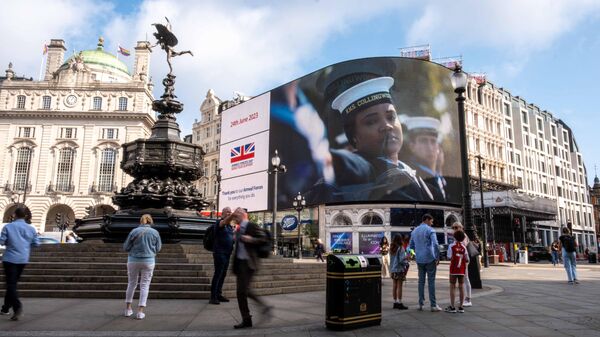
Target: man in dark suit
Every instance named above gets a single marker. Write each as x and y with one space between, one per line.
223 246
246 264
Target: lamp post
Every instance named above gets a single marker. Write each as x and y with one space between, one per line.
276 168
299 204
218 189
459 83
483 213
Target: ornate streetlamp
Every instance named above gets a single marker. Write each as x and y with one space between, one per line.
276 168
481 167
299 203
459 83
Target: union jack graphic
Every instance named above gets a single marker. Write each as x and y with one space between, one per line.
242 152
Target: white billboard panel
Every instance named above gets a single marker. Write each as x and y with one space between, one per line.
246 119
245 156
249 191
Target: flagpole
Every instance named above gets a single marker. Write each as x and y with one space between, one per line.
41 67
118 52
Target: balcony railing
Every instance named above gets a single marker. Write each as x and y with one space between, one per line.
60 188
94 189
11 188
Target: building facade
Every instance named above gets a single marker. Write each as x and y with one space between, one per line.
62 135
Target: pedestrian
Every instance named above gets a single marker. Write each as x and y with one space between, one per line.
246 264
223 246
457 226
459 259
319 250
554 248
399 268
142 245
504 255
384 248
18 237
569 246
423 241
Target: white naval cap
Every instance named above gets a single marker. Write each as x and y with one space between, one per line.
363 93
422 124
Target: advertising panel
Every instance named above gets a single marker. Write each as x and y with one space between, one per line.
249 191
411 217
245 119
368 242
368 130
341 242
243 156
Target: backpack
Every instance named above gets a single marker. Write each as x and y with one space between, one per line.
568 243
209 238
264 250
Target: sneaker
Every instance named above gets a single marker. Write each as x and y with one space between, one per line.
449 309
420 308
223 299
576 281
128 312
461 310
436 308
467 304
570 282
402 307
140 315
2 312
214 301
396 305
17 315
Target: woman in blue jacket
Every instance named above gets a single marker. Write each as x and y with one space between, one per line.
142 244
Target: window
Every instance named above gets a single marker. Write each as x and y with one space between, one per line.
21 102
215 166
206 171
22 168
371 218
217 144
68 133
342 220
553 128
110 133
539 124
26 132
64 171
97 103
215 185
507 109
208 132
198 136
122 103
524 117
218 128
46 100
106 176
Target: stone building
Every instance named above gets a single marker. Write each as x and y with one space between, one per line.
61 136
595 201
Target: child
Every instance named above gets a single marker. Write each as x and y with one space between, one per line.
459 258
399 268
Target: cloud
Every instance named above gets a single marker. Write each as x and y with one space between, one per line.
238 46
514 25
28 25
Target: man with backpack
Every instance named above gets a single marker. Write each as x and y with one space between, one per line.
249 243
569 247
219 239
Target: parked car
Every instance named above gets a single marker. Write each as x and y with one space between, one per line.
46 240
539 253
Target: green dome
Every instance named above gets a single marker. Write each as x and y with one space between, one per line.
100 57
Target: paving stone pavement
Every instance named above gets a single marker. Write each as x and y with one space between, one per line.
532 300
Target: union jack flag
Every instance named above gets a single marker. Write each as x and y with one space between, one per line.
242 152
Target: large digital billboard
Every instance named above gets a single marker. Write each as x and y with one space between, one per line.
367 130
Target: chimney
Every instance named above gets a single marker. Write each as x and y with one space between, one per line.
55 57
141 67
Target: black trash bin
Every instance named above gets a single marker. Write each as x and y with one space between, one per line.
592 258
353 296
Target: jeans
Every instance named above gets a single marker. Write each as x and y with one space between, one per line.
221 262
554 257
467 283
429 269
570 264
13 274
134 271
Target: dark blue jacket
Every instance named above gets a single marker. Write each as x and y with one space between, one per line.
223 239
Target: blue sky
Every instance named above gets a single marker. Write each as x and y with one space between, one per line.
544 51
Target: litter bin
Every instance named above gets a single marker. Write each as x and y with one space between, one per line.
592 258
353 294
523 258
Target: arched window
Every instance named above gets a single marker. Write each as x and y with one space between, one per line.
106 177
64 171
342 220
122 104
97 103
21 102
371 218
22 166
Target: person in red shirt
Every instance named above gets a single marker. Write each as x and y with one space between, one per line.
459 259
